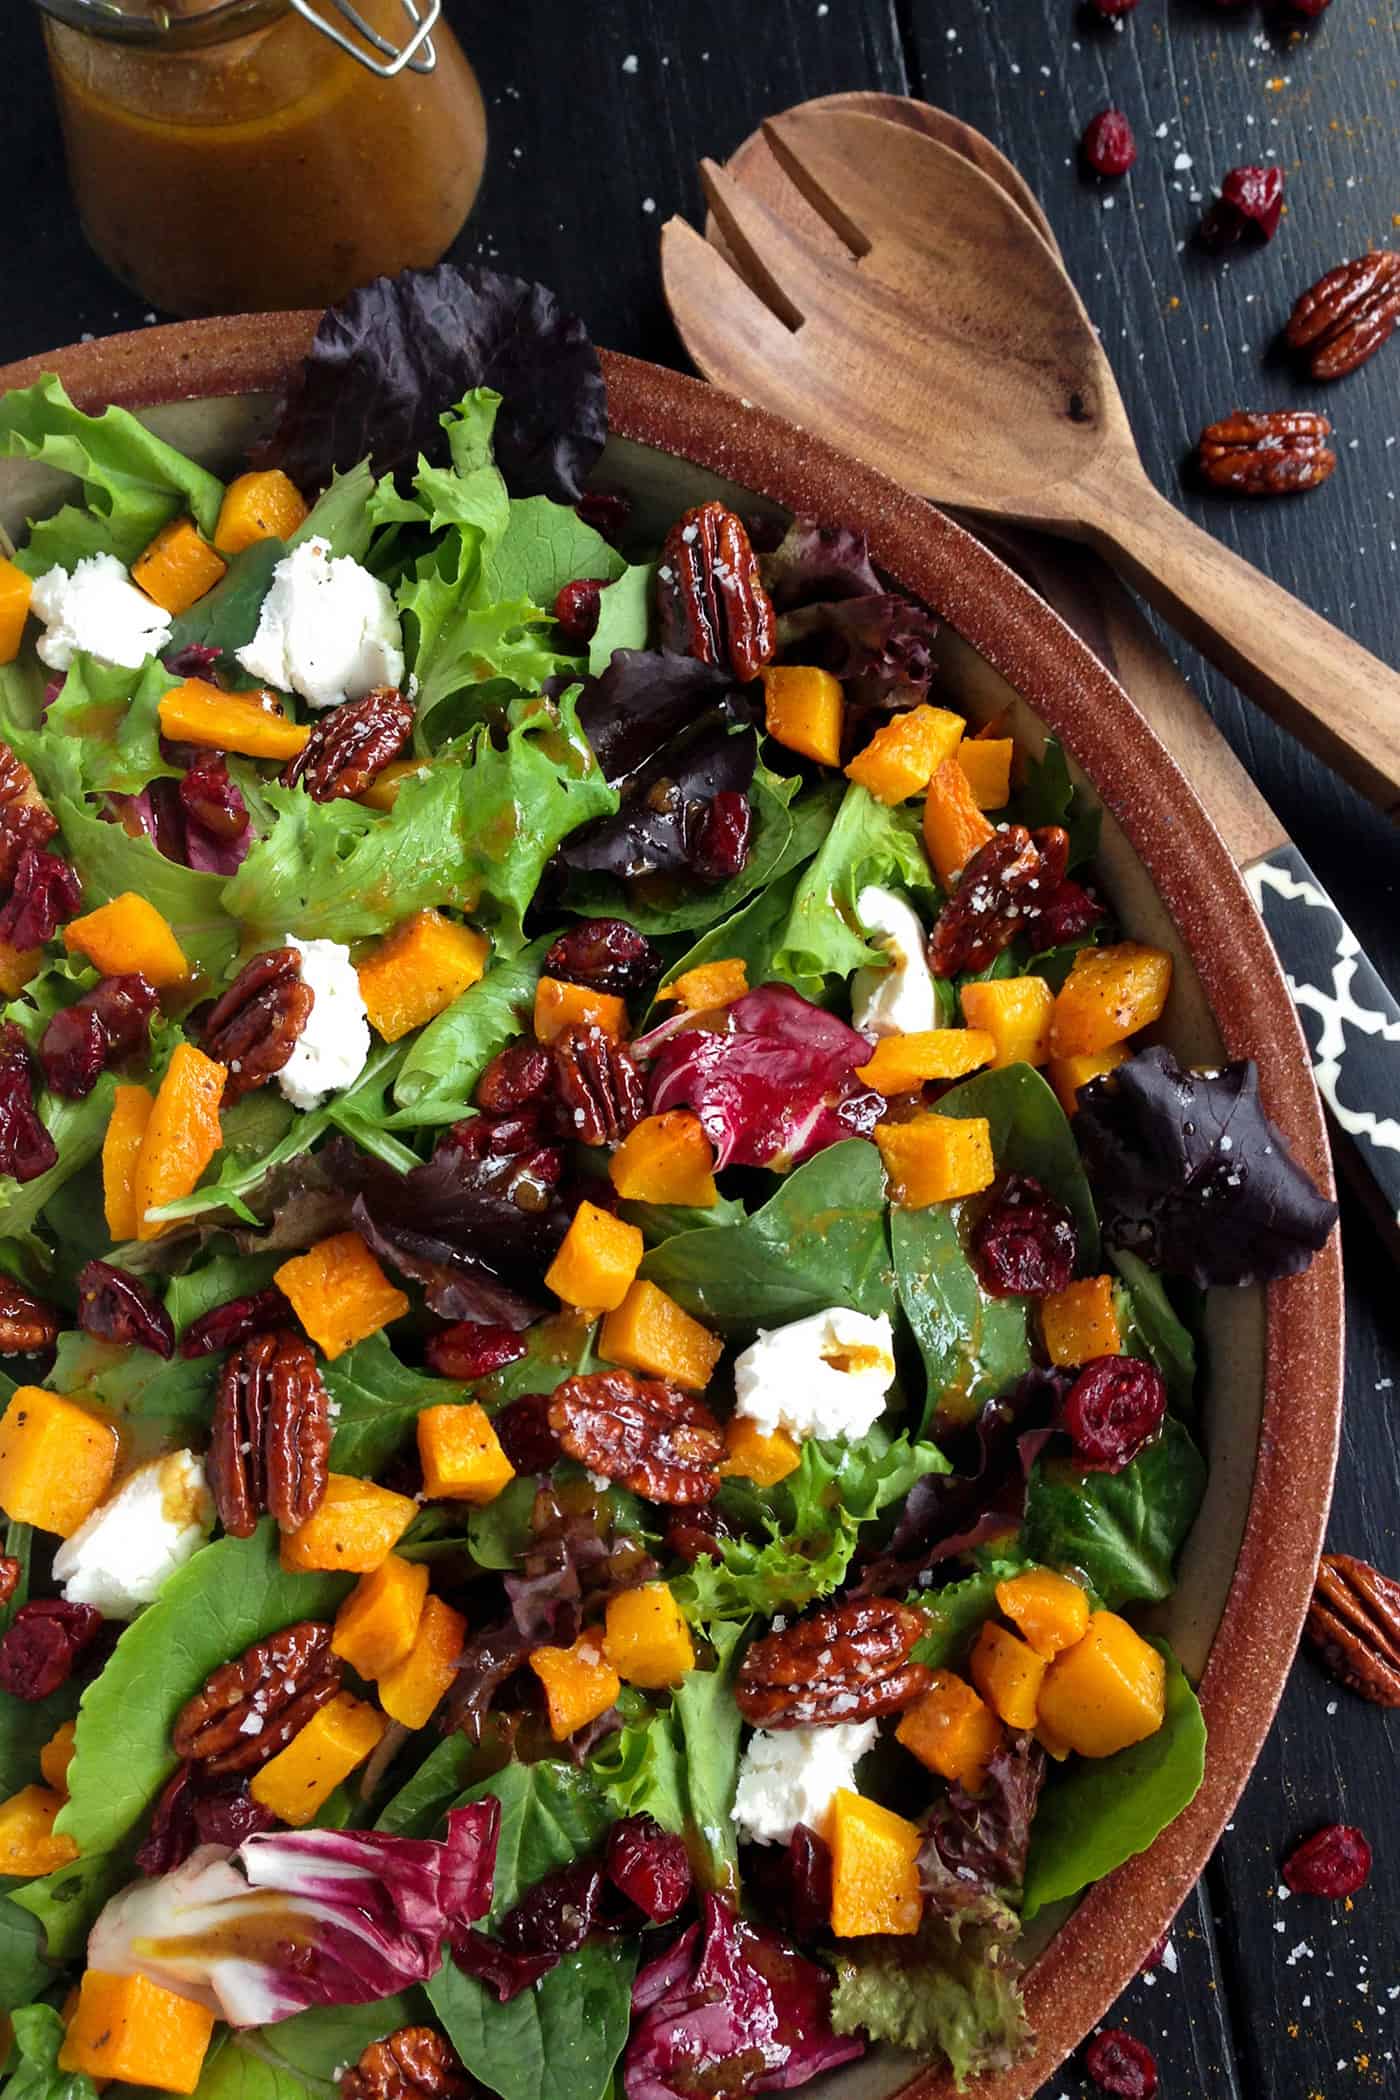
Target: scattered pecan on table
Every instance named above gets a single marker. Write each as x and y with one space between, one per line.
599 1084
414 2063
1354 1625
655 1439
1347 315
270 1440
27 1323
846 1662
351 745
1280 453
250 1708
253 1028
712 601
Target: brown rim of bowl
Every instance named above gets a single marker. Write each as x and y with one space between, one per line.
1102 1944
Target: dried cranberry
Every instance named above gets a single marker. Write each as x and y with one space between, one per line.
649 1866
26 1149
228 1815
1114 1406
192 1810
1250 206
44 1641
1025 1242
194 660
1335 1861
227 1325
523 1431
1114 7
607 511
720 848
794 1883
1310 8
171 1838
576 610
1065 915
1120 2065
504 1974
694 1531
1156 1953
124 1004
212 800
472 1349
117 1307
558 1913
606 955
521 1072
46 891
73 1051
1108 145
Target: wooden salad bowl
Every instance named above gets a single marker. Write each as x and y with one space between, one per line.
1272 1391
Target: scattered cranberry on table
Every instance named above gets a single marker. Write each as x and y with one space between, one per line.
1121 2065
1250 206
1111 8
1335 1861
1108 145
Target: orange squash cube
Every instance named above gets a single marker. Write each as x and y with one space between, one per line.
128 934
337 1738
1068 1074
56 1460
17 966
1107 1691
904 754
650 1333
15 591
127 2027
874 1868
461 1454
579 1684
1015 1012
1109 993
356 1527
1049 1610
1081 1322
416 972
121 1148
954 827
178 568
410 1691
708 985
28 1845
339 1293
182 1135
250 723
383 791
1052 1744
935 1159
986 760
646 1639
804 709
261 506
1008 1674
377 1624
57 1755
750 1455
666 1159
559 1006
598 1257
952 1730
901 1064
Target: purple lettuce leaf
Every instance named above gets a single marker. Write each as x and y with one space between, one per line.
486 1665
880 647
643 699
976 1844
815 563
158 814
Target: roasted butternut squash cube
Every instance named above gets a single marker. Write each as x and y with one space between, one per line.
559 1006
1008 1674
804 709
121 1148
935 1159
337 1738
708 985
1048 1610
952 1730
376 1625
339 1293
57 1755
461 1454
383 790
1109 993
986 760
410 1691
1015 1012
598 1257
1068 1074
16 589
416 972
1107 1691
17 966
1052 1744
904 754
250 723
178 568
666 1159
874 1868
901 1064
262 506
646 1639
182 1135
56 1460
579 1684
128 934
356 1527
1081 1322
127 2027
650 1333
750 1455
954 827
28 1844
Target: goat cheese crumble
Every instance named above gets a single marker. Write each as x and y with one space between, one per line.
331 1050
118 1557
790 1777
900 1000
327 629
98 611
825 1376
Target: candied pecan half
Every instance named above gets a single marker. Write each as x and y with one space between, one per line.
26 821
26 1149
253 1028
712 601
1000 893
1346 316
1282 453
599 1084
655 1439
414 2063
1354 1624
27 1324
351 745
847 1662
252 1707
10 1572
270 1440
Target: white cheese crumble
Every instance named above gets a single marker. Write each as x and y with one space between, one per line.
331 1050
327 629
825 1376
900 1000
98 610
118 1557
790 1776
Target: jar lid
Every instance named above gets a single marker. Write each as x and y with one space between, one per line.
181 24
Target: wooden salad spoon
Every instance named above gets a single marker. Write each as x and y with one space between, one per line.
945 343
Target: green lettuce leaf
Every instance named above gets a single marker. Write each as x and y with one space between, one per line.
101 733
642 1771
38 2031
973 1346
624 614
1124 1530
868 843
444 1061
710 1727
77 1129
951 1990
544 546
110 862
1031 1135
1153 1329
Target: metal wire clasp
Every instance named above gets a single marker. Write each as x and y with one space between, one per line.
383 57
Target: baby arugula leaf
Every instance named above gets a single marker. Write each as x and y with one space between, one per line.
710 1728
868 843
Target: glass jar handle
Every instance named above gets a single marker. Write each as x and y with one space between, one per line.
383 57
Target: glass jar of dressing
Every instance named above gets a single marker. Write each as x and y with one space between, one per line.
235 156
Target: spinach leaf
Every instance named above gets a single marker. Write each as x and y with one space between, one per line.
377 1400
19 1546
1154 1323
422 1801
1031 1135
341 514
226 1277
438 1076
304 2055
38 2033
23 1971
550 1814
67 1901
642 1771
110 861
1125 1529
227 617
662 1221
869 842
498 1533
160 1404
1050 796
747 935
710 1726
973 1346
555 1348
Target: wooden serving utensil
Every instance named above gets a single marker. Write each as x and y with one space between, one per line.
945 344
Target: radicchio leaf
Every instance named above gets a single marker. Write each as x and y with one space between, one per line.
157 814
976 1844
880 647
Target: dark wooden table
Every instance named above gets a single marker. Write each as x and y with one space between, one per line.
598 115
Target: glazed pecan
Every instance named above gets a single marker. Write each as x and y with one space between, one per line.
847 1662
599 1084
10 1572
25 818
252 1707
655 1439
253 1028
271 1434
27 1324
351 744
415 2063
1348 314
713 604
1000 893
1354 1624
1281 453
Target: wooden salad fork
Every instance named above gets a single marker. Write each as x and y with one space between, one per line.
944 343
